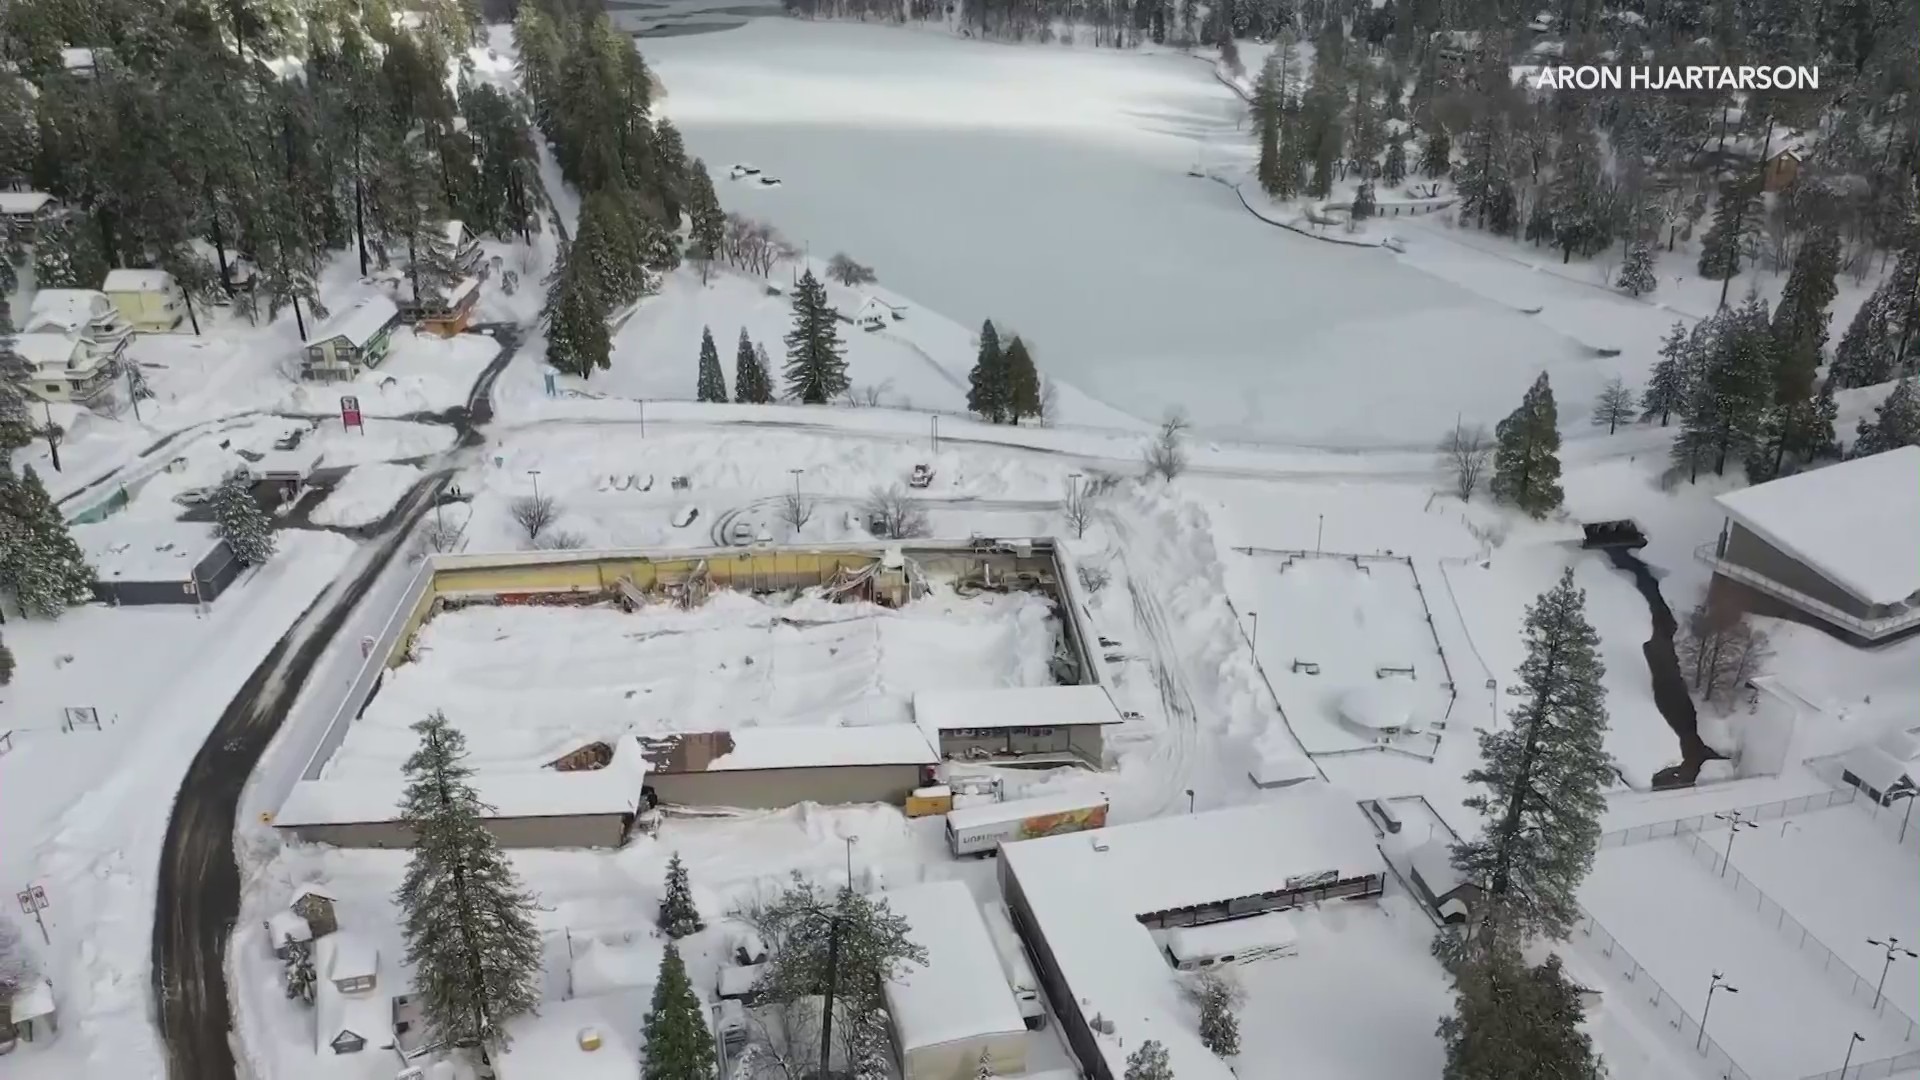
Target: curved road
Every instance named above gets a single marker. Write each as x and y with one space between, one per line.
198 899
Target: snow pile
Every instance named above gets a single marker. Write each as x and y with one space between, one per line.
366 495
378 440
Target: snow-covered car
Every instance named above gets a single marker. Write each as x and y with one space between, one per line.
769 181
194 496
684 516
743 169
291 440
741 534
921 477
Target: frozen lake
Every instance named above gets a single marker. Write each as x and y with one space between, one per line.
1047 188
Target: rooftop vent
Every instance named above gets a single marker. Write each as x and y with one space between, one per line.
589 1039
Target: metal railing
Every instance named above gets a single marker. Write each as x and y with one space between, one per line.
1617 959
1873 1070
1661 830
1871 629
1899 821
372 666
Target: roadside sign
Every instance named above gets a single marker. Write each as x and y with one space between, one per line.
350 413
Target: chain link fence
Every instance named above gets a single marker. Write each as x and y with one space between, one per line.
1781 808
1873 1070
1614 957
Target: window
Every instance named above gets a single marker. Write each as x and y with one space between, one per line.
53 388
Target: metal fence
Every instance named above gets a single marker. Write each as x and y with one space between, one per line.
1900 822
1616 959
1844 978
1873 1070
1660 830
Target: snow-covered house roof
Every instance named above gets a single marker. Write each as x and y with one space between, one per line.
24 203
77 60
367 1014
68 309
1857 523
1433 861
155 551
32 1001
361 322
47 348
457 234
1875 767
352 957
549 1045
1026 706
960 992
137 281
284 926
786 747
297 463
1087 891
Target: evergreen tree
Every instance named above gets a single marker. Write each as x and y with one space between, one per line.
1637 276
1482 177
1526 458
1667 390
1149 1062
713 382
1267 106
1023 381
1544 774
1395 170
1731 391
751 382
1895 423
1614 406
678 916
40 565
708 223
240 521
1579 222
1735 217
469 928
678 1045
1364 206
1866 351
16 422
6 663
1320 133
987 384
1436 153
816 371
1800 322
576 319
67 255
1219 1026
1512 1020
985 1069
298 971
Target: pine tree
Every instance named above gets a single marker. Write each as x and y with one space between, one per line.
816 370
1735 216
1267 106
16 422
985 1069
713 382
987 383
298 971
240 521
1395 170
1637 277
1865 356
1482 178
67 255
1800 322
1895 423
678 1045
678 916
751 382
6 663
1579 225
1614 406
1436 153
1731 390
1526 459
1149 1062
1667 390
1219 1026
1364 205
1544 774
469 928
39 562
1023 381
1512 1020
576 319
708 223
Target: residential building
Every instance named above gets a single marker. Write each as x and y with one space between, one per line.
349 1012
85 313
765 768
465 247
26 211
149 300
352 341
1062 723
1779 172
1832 547
448 315
64 368
156 562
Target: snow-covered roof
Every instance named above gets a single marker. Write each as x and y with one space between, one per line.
787 747
284 926
1879 769
1087 899
1278 767
602 967
137 281
359 323
72 309
77 59
462 289
456 231
32 1001
1433 861
299 462
528 793
1034 706
960 993
1232 936
738 980
1857 523
546 1045
1903 743
124 550
43 349
368 1014
352 957
964 818
22 203
1381 705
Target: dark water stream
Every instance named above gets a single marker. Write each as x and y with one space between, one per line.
1669 687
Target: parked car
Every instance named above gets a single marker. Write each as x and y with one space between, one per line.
921 477
194 496
291 440
769 181
741 534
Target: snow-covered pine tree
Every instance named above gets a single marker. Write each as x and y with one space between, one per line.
1895 423
471 938
1735 217
1800 322
240 521
1269 99
1637 277
1672 379
1544 774
1731 389
1614 405
713 382
1526 459
1395 170
16 422
751 382
678 1045
430 258
867 1047
576 318
1436 152
816 370
987 390
1023 381
707 221
1219 1025
67 255
1364 205
297 971
1149 1062
1512 1020
1579 223
6 663
1482 177
1865 354
766 371
39 562
678 916
985 1069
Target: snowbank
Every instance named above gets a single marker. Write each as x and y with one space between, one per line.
366 495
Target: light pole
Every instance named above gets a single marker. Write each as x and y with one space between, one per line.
1254 642
1734 824
1894 948
535 473
1076 496
936 433
1908 820
643 418
1319 529
851 840
1719 983
1189 800
796 481
1851 1043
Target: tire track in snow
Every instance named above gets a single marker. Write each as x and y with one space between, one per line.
1172 757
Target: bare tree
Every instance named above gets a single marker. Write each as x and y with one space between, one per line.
1167 454
1075 507
1094 577
1464 455
534 513
1614 406
561 540
1719 650
892 513
1049 402
439 534
796 510
844 270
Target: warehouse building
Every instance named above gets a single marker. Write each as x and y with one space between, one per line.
1085 903
156 562
766 768
1048 722
956 1010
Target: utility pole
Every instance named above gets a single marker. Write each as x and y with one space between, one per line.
1719 983
936 433
1254 642
851 840
1318 530
1189 800
833 978
133 392
643 418
1894 948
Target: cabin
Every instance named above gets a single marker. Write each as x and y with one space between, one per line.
1779 171
448 315
352 342
464 246
83 313
877 314
156 562
63 369
26 211
349 1012
149 300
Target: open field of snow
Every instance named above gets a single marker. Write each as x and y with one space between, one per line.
366 495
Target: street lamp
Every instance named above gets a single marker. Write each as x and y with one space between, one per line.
1189 800
1734 824
851 840
535 473
1908 820
1894 948
796 481
1857 1038
1719 983
1254 642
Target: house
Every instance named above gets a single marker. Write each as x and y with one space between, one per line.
956 1010
1445 892
1832 547
876 314
156 562
28 1012
464 246
286 929
26 211
85 313
351 342
1779 172
448 315
80 63
1067 722
349 1012
148 300
239 269
1883 777
307 916
64 369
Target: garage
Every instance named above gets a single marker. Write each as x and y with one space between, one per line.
955 1010
156 562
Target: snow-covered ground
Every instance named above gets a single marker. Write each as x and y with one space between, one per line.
366 495
423 373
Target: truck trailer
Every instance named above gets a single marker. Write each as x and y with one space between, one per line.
980 830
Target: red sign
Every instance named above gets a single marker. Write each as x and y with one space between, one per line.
350 413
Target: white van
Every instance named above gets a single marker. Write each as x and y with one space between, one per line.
1235 941
1013 961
